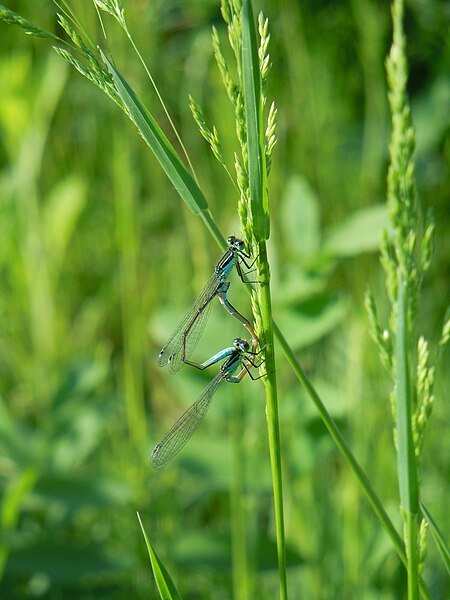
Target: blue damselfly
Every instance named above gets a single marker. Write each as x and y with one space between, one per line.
186 336
237 356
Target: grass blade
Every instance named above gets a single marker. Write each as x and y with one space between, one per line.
164 583
10 509
438 538
164 152
407 471
255 134
406 458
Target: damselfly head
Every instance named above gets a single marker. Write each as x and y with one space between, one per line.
236 243
241 345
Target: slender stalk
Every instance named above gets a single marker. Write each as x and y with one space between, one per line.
404 275
239 509
132 321
406 459
368 490
255 222
273 428
411 534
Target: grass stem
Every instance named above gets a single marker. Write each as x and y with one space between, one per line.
406 459
239 507
333 430
273 428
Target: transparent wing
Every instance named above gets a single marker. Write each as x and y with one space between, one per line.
185 338
185 426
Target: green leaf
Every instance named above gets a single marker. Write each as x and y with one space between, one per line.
407 470
438 538
159 144
62 211
313 320
361 232
13 496
300 213
254 118
164 583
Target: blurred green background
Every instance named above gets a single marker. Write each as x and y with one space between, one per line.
99 259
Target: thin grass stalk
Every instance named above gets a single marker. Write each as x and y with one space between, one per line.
255 223
37 265
406 459
404 277
273 427
239 508
345 451
132 326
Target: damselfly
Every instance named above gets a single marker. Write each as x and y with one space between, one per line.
237 356
186 336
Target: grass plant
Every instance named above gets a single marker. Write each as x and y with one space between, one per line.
408 359
412 395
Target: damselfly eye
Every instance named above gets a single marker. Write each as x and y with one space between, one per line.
235 242
241 344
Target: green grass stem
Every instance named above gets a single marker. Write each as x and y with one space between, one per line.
345 451
406 459
273 427
257 229
133 323
239 506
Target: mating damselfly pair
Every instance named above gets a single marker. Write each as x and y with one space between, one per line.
238 358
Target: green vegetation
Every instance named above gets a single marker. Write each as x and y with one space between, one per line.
99 259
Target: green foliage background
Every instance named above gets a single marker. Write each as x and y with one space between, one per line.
99 258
